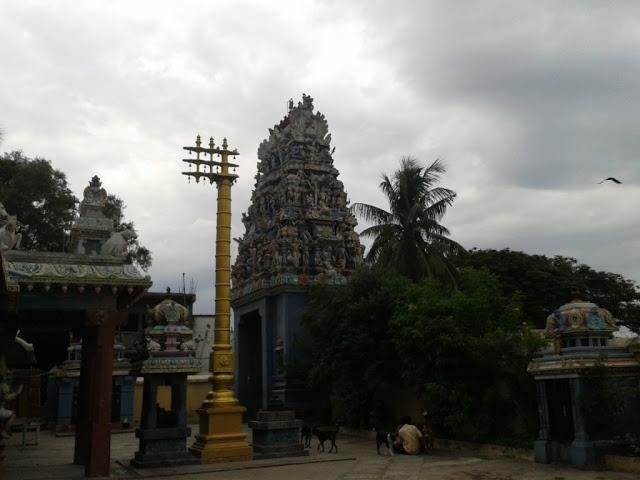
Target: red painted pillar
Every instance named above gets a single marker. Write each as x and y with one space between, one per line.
84 396
98 441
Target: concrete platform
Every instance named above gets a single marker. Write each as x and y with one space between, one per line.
51 460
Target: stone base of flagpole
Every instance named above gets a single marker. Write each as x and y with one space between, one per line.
222 437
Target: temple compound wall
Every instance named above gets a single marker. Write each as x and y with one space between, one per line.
298 232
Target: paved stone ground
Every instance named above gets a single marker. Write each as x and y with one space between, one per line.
357 460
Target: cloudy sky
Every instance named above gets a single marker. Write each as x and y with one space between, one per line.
529 104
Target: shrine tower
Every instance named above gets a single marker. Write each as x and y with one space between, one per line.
298 232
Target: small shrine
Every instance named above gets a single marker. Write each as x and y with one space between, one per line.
88 291
63 387
165 359
576 425
298 232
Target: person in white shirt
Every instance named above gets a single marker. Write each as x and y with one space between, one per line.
408 440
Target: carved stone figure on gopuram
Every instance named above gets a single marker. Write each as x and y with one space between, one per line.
298 229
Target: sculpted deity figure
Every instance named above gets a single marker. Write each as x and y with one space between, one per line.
117 244
322 199
267 259
6 395
341 257
295 253
152 345
310 199
3 214
317 258
189 345
94 194
9 239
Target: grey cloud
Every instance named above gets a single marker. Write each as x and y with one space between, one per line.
528 103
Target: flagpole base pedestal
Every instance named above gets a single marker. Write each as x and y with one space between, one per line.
222 437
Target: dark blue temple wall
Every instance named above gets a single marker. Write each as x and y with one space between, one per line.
293 308
259 307
280 317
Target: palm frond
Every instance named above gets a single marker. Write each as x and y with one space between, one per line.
371 213
437 210
379 230
409 238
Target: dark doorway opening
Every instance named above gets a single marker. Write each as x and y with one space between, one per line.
560 407
560 410
250 363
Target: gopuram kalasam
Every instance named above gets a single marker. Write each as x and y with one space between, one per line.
298 232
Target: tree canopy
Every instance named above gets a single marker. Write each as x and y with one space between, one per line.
545 283
46 208
409 238
463 352
352 362
39 195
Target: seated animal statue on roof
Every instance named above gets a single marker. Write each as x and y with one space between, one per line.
117 244
9 239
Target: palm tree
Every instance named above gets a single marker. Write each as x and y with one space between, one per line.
409 238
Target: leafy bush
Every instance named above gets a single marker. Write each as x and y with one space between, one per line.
463 353
351 359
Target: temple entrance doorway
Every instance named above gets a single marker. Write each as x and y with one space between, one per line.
560 417
250 363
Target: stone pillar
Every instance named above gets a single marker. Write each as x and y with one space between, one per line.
65 403
541 447
98 461
127 398
179 400
582 451
149 418
84 398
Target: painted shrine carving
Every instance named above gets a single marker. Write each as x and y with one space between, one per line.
298 229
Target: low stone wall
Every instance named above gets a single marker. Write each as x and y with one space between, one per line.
197 388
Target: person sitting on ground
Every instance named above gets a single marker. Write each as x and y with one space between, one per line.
408 439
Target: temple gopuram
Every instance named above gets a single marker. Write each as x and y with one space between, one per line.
298 232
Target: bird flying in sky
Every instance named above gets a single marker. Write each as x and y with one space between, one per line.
610 179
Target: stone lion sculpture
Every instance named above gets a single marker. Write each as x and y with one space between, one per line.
117 244
9 239
3 214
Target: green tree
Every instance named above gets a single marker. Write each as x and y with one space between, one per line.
409 238
545 283
46 208
465 354
352 364
39 195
